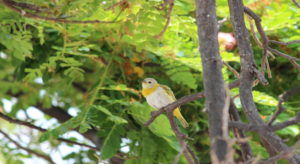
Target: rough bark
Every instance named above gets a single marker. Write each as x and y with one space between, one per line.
270 140
212 75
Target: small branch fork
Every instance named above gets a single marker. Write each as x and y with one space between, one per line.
30 151
24 123
20 8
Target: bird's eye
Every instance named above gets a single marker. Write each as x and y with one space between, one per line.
149 82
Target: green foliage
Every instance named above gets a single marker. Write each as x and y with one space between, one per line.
179 73
112 141
159 127
93 72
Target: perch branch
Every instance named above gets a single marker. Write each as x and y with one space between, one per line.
171 107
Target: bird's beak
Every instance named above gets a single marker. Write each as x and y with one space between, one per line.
144 82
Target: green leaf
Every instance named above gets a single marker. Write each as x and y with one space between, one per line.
159 127
84 127
111 117
179 73
264 98
111 143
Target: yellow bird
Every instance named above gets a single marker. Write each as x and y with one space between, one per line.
158 96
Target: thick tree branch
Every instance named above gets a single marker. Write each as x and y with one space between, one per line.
15 7
273 143
30 151
282 98
27 124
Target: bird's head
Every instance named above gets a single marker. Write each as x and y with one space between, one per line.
149 83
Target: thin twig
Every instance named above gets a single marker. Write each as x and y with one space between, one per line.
193 155
265 62
282 155
263 128
281 98
30 151
122 2
178 156
283 54
180 137
287 123
24 123
235 73
221 22
284 43
168 17
10 4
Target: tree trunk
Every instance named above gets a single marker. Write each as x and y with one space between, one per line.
212 75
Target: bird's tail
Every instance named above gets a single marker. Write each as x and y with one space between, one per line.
178 115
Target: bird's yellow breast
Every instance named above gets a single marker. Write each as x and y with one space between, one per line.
147 91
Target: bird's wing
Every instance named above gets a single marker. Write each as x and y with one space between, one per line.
168 91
